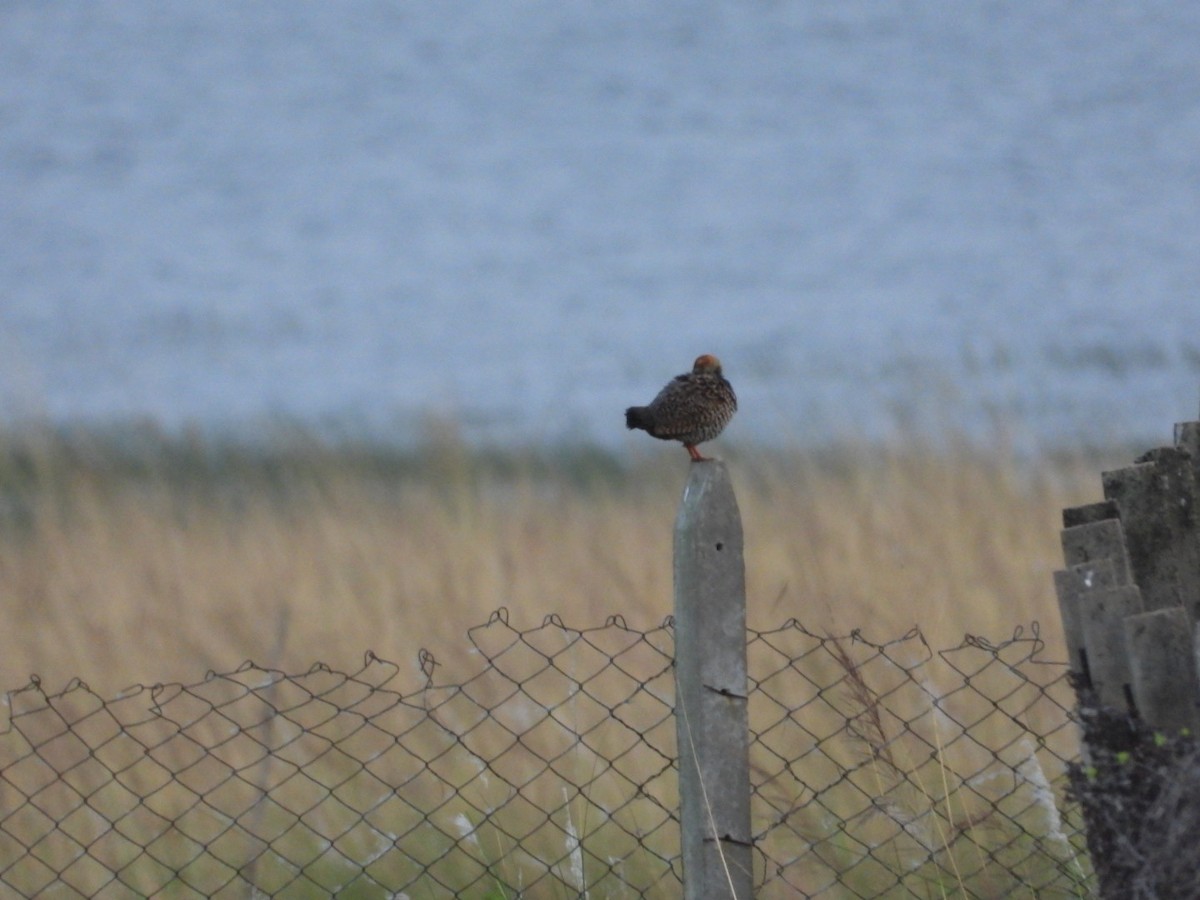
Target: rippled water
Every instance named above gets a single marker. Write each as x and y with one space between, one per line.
526 216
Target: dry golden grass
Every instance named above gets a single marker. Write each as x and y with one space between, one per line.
144 560
134 558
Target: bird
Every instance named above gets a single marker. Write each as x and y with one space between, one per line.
693 407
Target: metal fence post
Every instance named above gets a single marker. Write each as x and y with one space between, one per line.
711 693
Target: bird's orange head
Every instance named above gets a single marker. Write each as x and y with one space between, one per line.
706 364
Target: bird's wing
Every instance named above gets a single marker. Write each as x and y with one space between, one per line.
671 416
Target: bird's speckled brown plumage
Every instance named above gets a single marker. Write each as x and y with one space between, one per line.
692 408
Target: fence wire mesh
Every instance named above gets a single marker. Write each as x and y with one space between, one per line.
547 770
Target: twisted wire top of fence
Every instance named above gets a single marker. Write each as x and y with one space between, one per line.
547 768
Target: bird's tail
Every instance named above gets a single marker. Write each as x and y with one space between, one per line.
638 417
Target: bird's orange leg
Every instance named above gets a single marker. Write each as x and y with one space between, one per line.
694 453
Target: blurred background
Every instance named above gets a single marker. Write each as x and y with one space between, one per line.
522 217
332 311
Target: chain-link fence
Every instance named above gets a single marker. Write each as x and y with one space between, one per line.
547 769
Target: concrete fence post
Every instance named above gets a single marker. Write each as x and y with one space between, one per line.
1130 592
1074 586
1156 497
1163 664
1130 601
711 689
